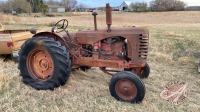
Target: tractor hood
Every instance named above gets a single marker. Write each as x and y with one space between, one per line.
93 36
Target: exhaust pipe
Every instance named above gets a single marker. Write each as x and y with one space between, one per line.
108 16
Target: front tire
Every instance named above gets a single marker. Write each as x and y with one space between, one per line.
128 87
145 71
44 63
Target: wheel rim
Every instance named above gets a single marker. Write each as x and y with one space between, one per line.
126 89
40 64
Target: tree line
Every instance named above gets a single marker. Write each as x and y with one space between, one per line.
34 6
29 6
159 6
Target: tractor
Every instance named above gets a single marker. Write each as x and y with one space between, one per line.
46 60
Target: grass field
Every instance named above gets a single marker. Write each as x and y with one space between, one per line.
173 54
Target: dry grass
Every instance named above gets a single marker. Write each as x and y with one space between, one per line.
174 49
80 13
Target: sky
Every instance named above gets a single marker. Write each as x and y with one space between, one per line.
101 3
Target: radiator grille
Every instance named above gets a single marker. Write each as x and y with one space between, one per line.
143 47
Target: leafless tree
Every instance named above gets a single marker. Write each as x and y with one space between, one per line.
139 6
69 4
81 7
4 7
15 5
167 5
52 2
25 7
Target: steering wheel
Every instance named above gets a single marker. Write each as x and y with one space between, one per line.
60 26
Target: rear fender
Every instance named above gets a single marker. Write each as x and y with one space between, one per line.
52 35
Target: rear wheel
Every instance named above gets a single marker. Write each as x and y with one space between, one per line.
128 87
44 63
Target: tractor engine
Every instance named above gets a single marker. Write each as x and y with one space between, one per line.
113 48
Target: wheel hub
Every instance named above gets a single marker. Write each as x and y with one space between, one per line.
40 64
126 89
43 64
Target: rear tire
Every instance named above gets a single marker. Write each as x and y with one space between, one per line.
44 63
128 87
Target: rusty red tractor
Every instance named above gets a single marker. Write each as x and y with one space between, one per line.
46 60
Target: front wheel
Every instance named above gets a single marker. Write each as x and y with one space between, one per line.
145 71
128 87
44 63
